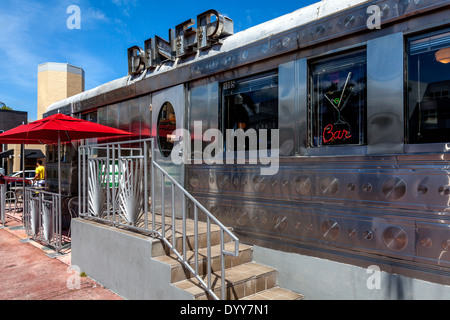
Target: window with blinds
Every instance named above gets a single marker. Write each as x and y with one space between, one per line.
428 101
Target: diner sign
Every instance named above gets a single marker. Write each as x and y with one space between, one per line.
184 40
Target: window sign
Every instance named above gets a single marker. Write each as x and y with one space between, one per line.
428 88
338 101
113 179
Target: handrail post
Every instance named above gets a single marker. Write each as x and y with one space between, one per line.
222 263
208 246
114 196
184 224
196 237
109 181
173 217
163 205
153 190
145 185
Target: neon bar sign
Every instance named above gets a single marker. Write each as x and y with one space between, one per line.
329 135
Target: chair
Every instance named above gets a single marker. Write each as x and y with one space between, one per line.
19 198
73 210
10 198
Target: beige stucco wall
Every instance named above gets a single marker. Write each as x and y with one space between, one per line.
57 85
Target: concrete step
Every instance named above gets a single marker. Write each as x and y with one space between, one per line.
245 279
275 293
160 249
180 272
241 281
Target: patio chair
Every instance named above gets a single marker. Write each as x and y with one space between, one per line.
10 199
73 210
19 199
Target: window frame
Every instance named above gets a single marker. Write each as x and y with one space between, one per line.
338 149
419 147
223 107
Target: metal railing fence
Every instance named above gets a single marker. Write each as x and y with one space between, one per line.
112 184
42 217
118 185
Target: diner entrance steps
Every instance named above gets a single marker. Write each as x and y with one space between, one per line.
245 279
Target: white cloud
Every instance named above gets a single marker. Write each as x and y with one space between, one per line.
96 14
126 5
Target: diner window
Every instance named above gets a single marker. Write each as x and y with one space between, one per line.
338 100
429 88
167 124
92 117
251 103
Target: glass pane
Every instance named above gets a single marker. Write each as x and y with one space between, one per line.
338 101
251 104
166 126
92 117
428 92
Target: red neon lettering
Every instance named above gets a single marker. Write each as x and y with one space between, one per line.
329 135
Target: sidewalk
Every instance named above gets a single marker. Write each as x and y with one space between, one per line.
28 273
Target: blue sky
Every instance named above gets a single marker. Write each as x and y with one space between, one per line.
35 32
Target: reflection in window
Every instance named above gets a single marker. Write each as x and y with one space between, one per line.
166 127
338 101
429 88
92 117
251 104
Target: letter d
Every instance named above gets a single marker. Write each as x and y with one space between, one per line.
228 309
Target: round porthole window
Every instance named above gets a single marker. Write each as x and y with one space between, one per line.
167 124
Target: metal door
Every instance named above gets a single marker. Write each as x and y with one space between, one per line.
168 115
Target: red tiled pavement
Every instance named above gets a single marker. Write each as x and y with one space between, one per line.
27 273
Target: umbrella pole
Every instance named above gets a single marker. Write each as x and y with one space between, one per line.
59 186
22 151
59 163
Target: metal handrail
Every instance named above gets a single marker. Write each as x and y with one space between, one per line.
209 218
109 214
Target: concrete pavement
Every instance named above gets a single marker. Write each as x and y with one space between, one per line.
28 273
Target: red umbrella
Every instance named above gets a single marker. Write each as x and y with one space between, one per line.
58 128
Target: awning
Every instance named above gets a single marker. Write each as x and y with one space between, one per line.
29 154
34 154
6 154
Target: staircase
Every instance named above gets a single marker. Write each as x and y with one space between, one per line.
245 279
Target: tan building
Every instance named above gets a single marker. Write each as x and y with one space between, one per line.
56 81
